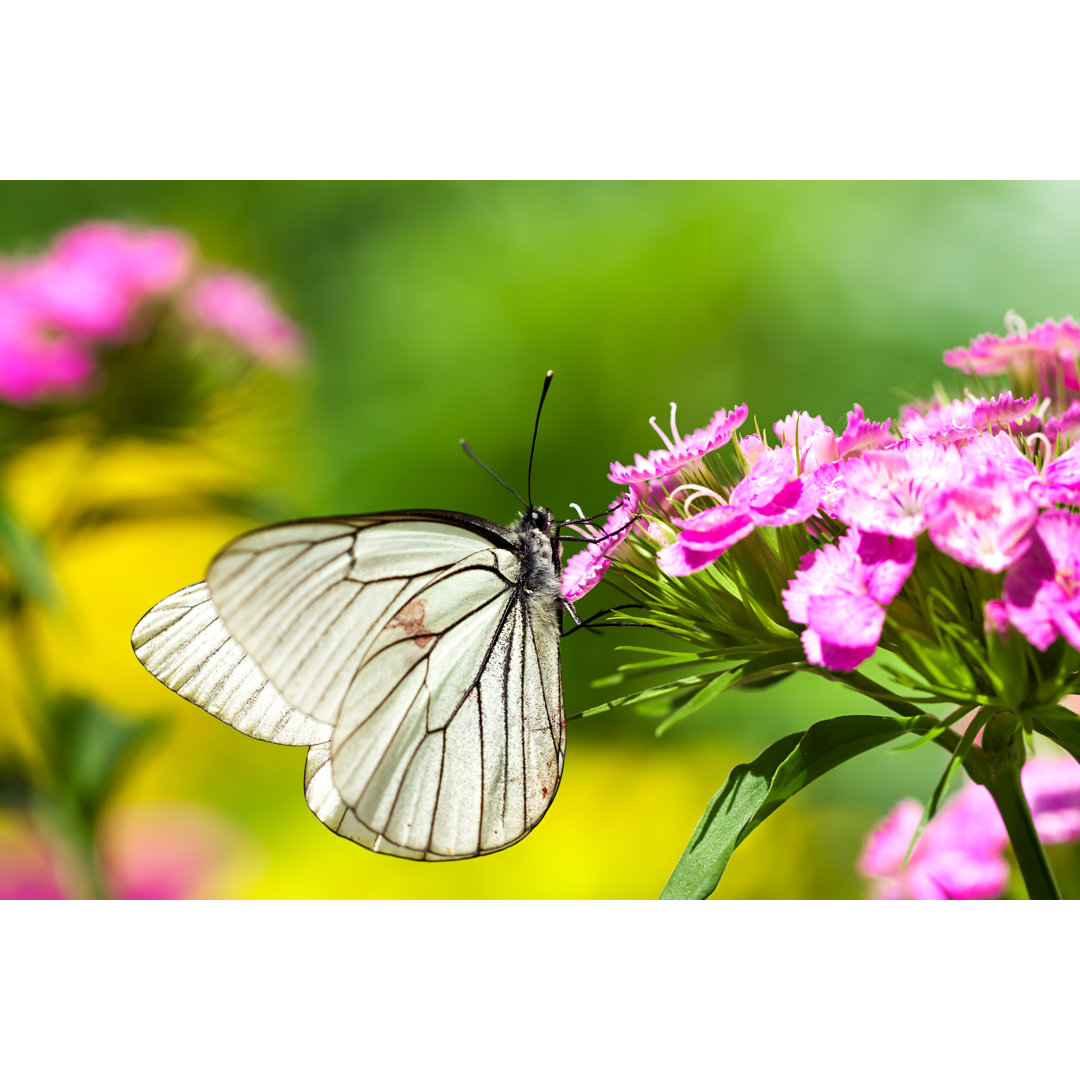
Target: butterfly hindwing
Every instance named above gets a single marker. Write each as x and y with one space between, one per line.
405 650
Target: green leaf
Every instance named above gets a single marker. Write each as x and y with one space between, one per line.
22 551
642 695
91 747
16 783
753 791
700 699
607 680
1060 725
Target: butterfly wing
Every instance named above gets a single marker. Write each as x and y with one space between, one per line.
405 650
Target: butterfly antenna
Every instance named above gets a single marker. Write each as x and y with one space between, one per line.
465 446
536 427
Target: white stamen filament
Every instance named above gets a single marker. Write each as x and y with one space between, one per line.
586 529
656 428
674 430
698 491
1014 324
1038 436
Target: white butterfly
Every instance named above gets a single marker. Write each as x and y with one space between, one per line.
416 653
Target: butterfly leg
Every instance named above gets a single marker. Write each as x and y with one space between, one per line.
586 624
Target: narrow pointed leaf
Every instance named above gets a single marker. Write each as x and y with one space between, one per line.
642 695
1062 726
699 700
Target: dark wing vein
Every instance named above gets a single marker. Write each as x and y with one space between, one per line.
510 606
540 677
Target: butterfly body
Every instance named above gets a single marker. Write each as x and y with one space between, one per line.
416 653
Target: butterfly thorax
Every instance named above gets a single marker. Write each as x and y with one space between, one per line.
539 558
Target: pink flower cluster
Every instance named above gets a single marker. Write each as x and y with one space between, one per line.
97 286
164 852
239 308
960 854
991 482
1049 350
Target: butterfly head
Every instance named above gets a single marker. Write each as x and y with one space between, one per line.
539 519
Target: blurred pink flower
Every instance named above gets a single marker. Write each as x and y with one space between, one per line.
29 870
1045 347
94 278
240 308
862 434
147 853
965 418
959 854
1052 789
35 360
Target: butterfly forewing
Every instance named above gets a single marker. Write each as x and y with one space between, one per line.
183 641
405 650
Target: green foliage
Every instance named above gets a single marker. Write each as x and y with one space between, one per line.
25 564
16 782
89 747
1060 725
754 790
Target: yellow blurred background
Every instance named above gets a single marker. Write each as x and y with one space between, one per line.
432 312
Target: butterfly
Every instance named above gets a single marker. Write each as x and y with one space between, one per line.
416 654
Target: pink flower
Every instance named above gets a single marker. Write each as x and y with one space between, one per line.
892 491
148 853
984 522
679 451
1045 346
1052 789
35 361
584 570
772 493
750 448
965 418
958 856
1066 425
998 455
840 594
814 438
819 446
704 538
862 434
1042 590
95 277
240 308
1060 480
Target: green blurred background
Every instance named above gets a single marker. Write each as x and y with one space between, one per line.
433 311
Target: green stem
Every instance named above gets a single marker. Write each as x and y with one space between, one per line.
997 767
1030 855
